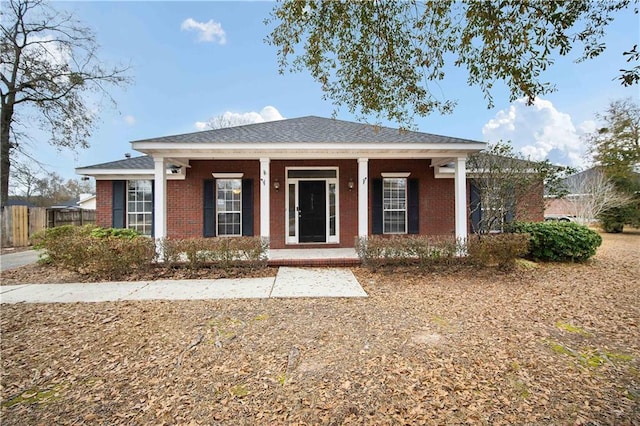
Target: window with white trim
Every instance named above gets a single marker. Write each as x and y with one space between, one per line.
140 206
229 207
394 205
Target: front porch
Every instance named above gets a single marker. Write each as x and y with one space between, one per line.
299 182
313 257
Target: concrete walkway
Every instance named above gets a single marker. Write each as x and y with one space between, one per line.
17 259
289 282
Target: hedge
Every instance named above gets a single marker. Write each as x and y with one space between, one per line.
559 241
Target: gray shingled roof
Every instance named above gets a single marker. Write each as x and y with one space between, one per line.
136 163
308 129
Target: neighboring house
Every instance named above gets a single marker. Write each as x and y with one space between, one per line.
70 204
87 201
12 201
561 208
302 182
588 191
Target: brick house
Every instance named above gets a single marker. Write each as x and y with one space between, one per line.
301 182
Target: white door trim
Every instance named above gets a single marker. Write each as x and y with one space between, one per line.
294 239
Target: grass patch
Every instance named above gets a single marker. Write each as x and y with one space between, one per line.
442 322
559 349
522 389
572 328
239 391
35 396
590 357
526 264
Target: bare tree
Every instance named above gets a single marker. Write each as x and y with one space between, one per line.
224 120
26 179
591 193
48 64
506 186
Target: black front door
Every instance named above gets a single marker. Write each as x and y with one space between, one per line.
312 212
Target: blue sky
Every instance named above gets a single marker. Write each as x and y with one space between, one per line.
195 60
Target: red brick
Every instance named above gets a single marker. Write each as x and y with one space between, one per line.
185 197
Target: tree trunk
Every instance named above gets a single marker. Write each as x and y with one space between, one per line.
6 115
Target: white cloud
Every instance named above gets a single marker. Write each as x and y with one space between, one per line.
540 131
130 120
210 31
231 119
48 49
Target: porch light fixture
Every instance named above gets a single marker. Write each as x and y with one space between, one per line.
276 185
350 184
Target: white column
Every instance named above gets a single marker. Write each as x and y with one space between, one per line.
159 198
363 197
265 191
460 183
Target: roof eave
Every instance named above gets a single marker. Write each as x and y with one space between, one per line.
307 150
126 174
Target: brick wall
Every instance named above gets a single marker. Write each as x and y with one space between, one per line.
348 202
437 197
530 203
185 197
104 198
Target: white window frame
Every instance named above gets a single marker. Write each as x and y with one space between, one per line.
331 239
388 177
230 178
132 216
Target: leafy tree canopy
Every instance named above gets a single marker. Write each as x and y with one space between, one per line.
385 57
616 148
616 144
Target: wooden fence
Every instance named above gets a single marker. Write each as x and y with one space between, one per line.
59 217
19 223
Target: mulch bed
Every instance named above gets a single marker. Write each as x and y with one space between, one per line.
555 344
44 274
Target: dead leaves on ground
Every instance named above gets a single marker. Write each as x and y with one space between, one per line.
557 344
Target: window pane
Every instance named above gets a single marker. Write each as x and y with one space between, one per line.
292 210
332 209
299 174
394 205
229 206
140 206
394 222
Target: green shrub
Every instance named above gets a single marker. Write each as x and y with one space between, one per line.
559 241
98 252
222 252
64 246
115 257
424 251
127 233
497 249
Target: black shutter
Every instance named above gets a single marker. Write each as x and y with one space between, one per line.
413 211
247 207
209 208
118 204
509 216
476 208
376 206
